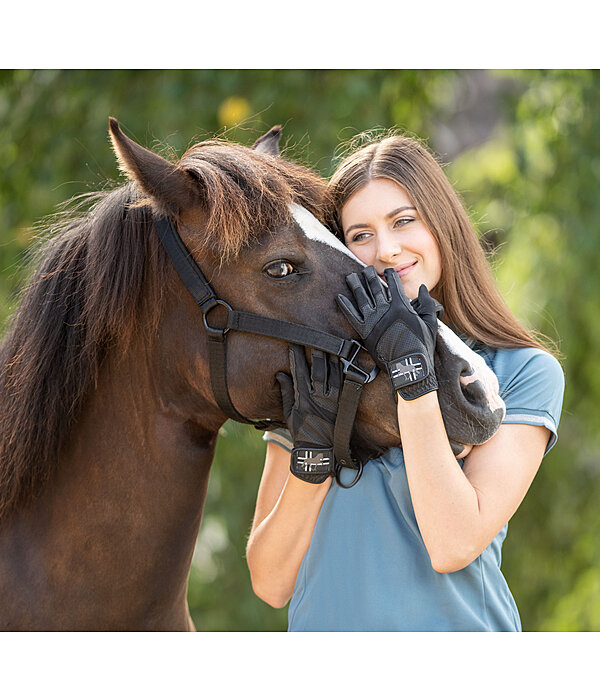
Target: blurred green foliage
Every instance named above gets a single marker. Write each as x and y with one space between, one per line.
522 148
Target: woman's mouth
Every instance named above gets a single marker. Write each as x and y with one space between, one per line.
404 270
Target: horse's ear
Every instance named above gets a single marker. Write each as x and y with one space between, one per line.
269 143
172 189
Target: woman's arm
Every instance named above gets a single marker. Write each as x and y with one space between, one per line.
460 511
288 506
287 509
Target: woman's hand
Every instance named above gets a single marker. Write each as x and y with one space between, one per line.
310 402
401 339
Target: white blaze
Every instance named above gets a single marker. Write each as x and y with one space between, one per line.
315 230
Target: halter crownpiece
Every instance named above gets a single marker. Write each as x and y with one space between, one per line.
346 349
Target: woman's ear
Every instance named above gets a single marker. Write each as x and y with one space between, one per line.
171 189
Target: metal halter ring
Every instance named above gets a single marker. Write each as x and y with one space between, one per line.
210 329
338 469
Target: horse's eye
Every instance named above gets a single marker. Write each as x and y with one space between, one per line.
279 269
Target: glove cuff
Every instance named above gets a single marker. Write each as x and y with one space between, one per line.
312 464
408 393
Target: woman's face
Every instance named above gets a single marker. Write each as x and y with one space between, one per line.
382 228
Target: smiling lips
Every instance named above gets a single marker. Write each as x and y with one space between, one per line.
403 270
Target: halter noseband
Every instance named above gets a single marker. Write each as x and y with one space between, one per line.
344 348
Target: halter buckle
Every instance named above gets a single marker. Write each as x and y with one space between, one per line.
353 371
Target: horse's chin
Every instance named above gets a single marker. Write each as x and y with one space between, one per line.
364 453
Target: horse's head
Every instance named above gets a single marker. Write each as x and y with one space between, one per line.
251 221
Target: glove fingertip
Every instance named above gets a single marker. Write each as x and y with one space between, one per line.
396 287
352 280
346 306
286 387
285 381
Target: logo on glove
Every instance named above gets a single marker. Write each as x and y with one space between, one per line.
312 460
408 370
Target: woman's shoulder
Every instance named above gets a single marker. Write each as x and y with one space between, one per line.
532 384
512 362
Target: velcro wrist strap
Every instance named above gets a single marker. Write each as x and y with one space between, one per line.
408 370
312 464
414 391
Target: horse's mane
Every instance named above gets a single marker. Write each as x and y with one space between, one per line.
98 281
248 193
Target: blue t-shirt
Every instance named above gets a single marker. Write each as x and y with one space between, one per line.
367 568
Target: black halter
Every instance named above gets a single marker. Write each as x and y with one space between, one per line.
345 349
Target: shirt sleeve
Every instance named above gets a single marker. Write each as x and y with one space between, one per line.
280 437
532 385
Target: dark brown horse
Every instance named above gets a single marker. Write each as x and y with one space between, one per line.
108 423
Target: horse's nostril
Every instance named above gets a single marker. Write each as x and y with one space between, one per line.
474 392
465 369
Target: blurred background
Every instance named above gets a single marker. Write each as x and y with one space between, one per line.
522 147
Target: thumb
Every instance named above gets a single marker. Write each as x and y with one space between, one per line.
427 308
353 316
396 290
286 385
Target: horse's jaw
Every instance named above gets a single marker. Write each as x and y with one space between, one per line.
471 405
481 372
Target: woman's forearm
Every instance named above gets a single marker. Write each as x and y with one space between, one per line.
445 503
279 542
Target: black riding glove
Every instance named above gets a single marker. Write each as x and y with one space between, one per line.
310 403
398 335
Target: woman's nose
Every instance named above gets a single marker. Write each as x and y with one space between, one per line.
388 246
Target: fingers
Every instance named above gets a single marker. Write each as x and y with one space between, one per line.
326 373
360 291
319 372
352 314
334 375
426 305
286 386
323 378
396 288
368 293
375 286
299 370
427 308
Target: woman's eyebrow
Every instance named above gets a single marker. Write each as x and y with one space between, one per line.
388 216
397 211
350 228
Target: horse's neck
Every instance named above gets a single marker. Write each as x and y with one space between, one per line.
108 543
134 474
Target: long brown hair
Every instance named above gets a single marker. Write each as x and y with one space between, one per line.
467 289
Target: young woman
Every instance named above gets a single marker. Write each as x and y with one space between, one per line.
415 545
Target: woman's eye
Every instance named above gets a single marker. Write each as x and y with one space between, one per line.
279 269
359 237
403 220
